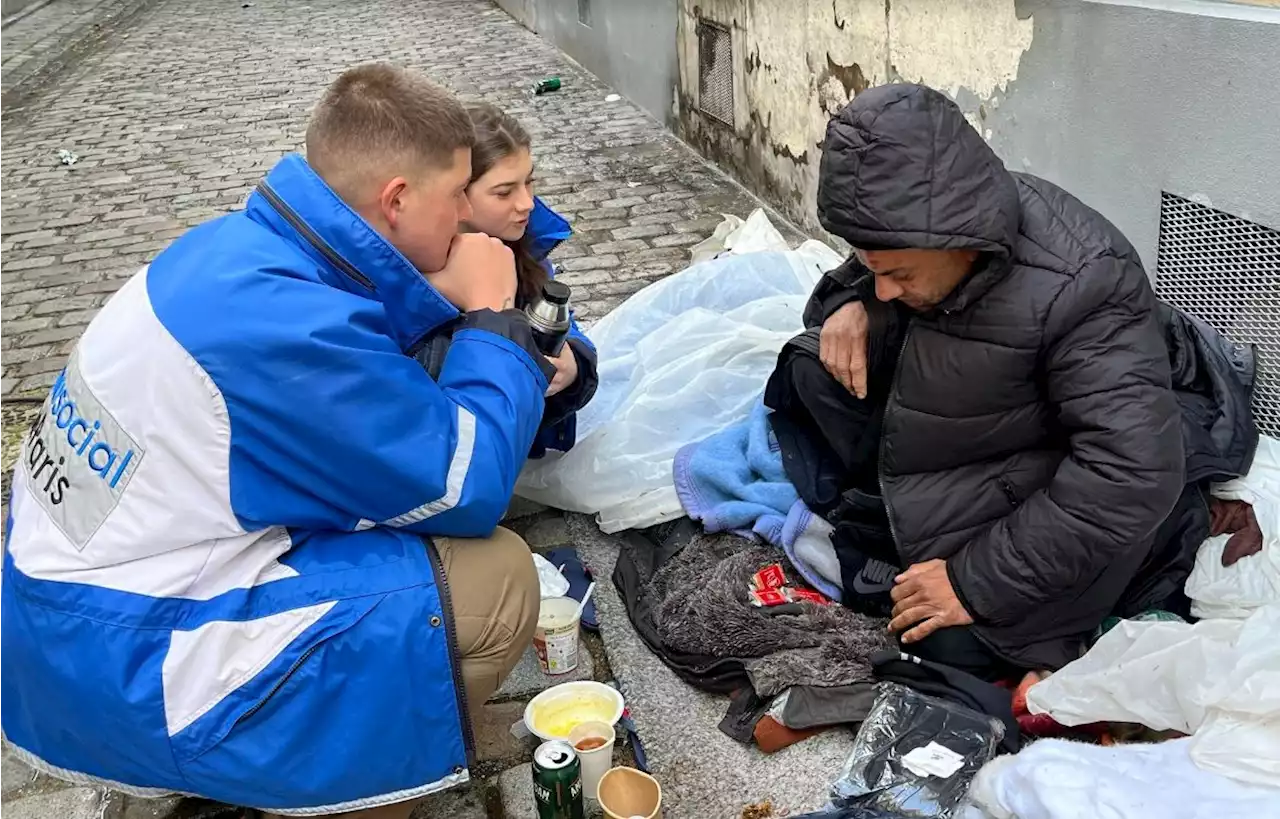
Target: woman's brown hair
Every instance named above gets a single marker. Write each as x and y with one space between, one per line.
498 136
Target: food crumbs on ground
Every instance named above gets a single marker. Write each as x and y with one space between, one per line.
760 810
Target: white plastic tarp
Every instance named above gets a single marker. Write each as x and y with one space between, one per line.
679 361
1218 680
1237 590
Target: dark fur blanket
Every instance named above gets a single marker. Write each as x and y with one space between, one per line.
701 601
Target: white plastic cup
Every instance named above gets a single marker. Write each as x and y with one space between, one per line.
556 637
595 761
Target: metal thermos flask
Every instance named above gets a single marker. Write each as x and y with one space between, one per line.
549 317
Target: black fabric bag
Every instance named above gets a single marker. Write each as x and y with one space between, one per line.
634 569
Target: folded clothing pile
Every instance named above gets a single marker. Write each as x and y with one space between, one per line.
692 598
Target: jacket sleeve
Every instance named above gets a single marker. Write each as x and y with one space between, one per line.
848 282
1106 373
581 391
559 430
357 434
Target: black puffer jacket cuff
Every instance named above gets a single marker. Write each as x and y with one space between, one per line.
512 325
958 588
848 282
581 391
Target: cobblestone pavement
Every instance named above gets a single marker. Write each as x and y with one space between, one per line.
175 119
44 37
176 115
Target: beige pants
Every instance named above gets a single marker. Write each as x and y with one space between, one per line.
494 590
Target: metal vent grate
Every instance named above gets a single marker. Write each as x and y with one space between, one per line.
584 12
1226 271
715 71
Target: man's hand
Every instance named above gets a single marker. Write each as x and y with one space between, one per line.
843 347
566 365
480 274
923 594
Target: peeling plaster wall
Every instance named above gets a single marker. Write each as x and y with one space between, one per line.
800 61
1114 102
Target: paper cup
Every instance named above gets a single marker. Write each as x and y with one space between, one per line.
556 637
594 743
626 793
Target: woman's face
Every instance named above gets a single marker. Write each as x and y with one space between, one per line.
502 199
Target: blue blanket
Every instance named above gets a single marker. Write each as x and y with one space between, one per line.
734 482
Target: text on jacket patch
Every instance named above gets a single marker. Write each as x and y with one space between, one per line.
78 459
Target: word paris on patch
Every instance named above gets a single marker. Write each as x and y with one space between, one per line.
78 459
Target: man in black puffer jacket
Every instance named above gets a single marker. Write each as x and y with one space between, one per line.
1030 445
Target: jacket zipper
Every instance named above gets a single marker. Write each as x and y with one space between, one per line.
296 222
1009 494
446 605
884 426
279 684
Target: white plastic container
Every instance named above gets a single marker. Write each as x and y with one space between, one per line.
561 708
556 638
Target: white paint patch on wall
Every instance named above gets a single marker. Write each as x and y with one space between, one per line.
954 44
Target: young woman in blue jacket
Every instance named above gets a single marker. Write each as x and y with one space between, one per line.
503 205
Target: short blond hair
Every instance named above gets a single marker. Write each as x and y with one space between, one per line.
379 118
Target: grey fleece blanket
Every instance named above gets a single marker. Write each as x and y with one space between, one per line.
702 605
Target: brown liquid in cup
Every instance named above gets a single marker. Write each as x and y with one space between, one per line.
590 743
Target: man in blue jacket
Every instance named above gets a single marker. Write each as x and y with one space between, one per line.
253 551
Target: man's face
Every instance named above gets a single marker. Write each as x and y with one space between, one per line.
423 212
920 279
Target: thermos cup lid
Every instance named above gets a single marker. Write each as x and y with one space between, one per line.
556 292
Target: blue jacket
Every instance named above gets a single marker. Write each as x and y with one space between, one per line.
219 579
546 230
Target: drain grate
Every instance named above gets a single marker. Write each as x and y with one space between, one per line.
715 71
1226 271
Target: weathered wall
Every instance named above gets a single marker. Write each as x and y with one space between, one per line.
799 61
630 44
1113 101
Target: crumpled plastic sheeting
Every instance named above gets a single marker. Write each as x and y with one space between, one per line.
1236 591
1218 680
550 582
684 358
1058 779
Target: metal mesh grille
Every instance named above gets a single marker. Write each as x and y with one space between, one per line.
1226 271
715 71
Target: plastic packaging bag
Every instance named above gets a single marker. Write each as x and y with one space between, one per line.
682 359
916 754
1218 680
550 581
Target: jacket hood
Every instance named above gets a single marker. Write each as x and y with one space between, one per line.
902 168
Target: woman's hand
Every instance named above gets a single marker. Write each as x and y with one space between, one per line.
566 365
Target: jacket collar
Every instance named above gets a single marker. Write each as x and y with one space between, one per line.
547 229
295 202
988 271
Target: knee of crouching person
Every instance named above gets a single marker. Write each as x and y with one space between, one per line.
520 580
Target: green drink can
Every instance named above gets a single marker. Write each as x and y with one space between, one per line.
557 781
549 84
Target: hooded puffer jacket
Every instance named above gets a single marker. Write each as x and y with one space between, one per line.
1032 438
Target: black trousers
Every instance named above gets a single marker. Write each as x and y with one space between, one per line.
830 442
